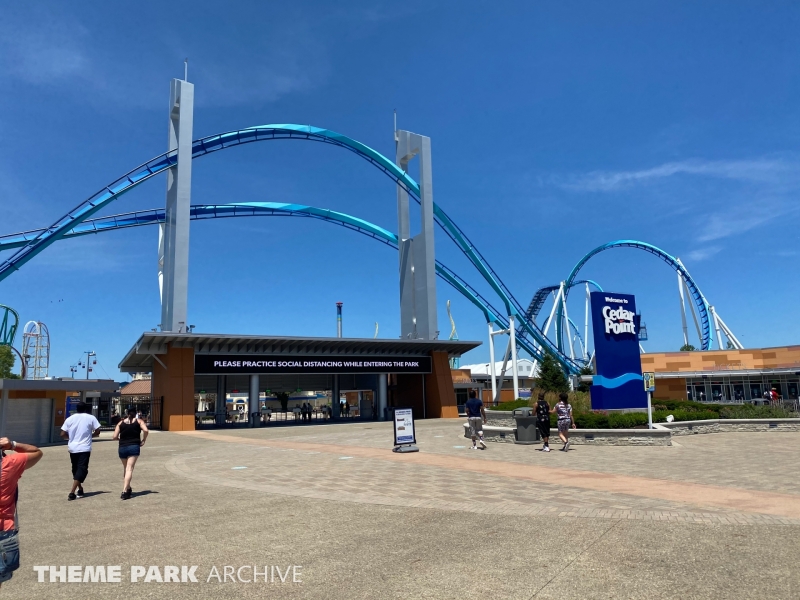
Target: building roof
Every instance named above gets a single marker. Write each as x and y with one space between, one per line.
65 384
524 364
141 356
138 387
734 373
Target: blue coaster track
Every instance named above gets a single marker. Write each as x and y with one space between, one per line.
208 145
694 291
274 209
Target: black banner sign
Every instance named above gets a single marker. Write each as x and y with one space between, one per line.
230 364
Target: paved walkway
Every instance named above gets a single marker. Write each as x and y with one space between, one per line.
318 463
716 517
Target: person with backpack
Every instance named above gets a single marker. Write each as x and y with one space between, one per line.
543 421
11 468
564 411
132 433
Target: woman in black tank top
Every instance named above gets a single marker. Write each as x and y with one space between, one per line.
131 433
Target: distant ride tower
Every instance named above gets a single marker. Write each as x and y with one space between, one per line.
36 349
454 362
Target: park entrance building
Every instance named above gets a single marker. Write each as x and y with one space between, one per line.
199 373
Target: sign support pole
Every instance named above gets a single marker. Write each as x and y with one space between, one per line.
649 379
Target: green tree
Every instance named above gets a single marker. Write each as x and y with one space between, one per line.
583 386
551 375
687 348
7 360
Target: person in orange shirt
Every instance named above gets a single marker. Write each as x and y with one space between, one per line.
11 468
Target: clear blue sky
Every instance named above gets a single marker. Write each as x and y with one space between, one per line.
556 126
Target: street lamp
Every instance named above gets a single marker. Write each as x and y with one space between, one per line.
89 362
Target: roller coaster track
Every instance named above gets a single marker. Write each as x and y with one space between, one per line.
541 295
267 209
208 145
9 323
694 291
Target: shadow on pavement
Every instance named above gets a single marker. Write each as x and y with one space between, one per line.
142 493
90 494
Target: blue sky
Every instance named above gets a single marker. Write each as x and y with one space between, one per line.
556 127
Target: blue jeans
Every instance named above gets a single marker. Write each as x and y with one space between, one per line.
9 554
128 451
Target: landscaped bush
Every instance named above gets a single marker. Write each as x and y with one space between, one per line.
580 401
518 403
604 420
681 410
748 411
586 420
660 416
627 420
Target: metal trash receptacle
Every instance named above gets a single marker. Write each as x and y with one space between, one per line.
527 432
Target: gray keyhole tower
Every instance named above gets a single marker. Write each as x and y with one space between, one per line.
417 254
173 242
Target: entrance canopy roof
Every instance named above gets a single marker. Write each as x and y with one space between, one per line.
65 384
140 358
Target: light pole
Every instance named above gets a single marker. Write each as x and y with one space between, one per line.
89 354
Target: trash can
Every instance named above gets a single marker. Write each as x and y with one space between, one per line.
527 433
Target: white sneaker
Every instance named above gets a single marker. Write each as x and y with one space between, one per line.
474 447
566 446
483 444
546 449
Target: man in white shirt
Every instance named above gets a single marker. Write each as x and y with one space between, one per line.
79 429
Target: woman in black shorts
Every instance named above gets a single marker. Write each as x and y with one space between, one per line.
129 433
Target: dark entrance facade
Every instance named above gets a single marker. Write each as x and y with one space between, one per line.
219 380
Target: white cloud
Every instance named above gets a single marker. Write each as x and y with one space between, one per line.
59 51
45 52
716 199
91 254
735 219
773 171
703 253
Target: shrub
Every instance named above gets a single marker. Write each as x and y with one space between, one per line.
587 420
686 405
748 411
518 403
660 416
626 420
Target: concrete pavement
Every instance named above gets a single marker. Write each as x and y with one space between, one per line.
448 522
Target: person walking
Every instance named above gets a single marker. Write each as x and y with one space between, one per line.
79 429
543 421
564 411
11 468
132 434
476 417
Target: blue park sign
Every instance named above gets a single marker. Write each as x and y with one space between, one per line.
615 324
